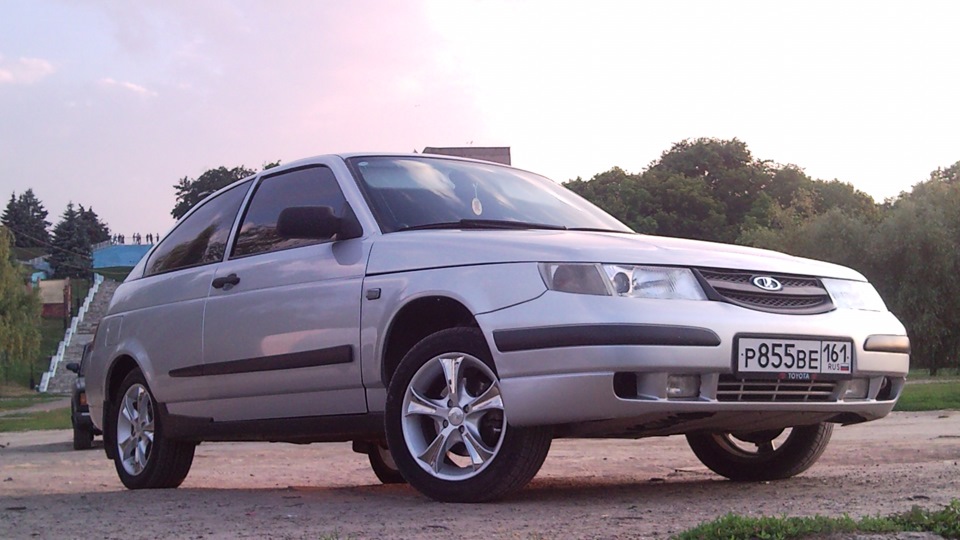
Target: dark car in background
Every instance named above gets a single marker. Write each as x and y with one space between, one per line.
83 428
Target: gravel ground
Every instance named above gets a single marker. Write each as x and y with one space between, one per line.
651 488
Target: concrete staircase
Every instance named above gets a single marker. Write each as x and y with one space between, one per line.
60 380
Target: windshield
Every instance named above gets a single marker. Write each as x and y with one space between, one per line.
429 193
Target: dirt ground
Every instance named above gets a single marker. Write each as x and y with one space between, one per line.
651 488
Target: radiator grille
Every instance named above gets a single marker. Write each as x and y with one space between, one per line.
770 390
799 295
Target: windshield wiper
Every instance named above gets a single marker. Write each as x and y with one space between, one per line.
600 229
483 224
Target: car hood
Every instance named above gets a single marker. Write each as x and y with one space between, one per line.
414 250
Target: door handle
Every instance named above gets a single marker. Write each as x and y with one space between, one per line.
222 282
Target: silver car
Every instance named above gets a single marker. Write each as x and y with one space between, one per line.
452 317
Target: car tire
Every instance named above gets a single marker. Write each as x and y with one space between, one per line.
144 457
383 465
82 438
774 454
453 442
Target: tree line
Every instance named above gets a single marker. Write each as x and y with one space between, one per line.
707 189
190 191
19 315
68 247
68 250
715 190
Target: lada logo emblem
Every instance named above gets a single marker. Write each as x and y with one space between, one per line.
767 283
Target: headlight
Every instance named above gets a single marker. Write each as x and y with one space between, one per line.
574 278
619 280
854 295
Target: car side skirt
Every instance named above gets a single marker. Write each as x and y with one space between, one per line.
308 429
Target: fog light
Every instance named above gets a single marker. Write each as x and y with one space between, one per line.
857 389
683 386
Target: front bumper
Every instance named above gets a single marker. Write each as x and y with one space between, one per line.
600 366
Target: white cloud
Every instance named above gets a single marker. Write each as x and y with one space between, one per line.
24 70
126 85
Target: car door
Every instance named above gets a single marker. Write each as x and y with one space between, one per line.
158 318
281 324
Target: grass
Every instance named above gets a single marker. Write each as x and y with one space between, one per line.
80 289
943 373
55 419
20 402
945 522
10 390
930 396
116 273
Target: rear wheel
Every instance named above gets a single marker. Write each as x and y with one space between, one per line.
383 465
446 425
144 458
761 455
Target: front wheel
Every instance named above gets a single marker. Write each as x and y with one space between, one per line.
446 425
144 458
761 455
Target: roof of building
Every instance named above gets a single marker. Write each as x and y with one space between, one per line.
51 291
120 255
496 154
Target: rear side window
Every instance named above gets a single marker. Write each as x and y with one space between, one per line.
201 238
314 186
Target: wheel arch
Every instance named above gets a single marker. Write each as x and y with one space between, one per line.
122 366
416 320
118 371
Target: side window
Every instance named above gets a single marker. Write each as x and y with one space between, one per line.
314 186
202 237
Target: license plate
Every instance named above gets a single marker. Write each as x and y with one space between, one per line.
796 359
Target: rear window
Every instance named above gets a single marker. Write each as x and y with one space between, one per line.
201 238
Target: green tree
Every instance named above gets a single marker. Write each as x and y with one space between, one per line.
190 191
917 253
619 194
730 174
19 315
833 236
909 249
846 198
95 229
684 207
27 219
71 255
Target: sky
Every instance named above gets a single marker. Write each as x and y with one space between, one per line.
109 103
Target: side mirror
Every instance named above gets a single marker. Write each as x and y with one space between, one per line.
74 367
316 222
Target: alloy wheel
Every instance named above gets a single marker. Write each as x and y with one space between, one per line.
452 416
135 429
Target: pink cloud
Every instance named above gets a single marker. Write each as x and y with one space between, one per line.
24 70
